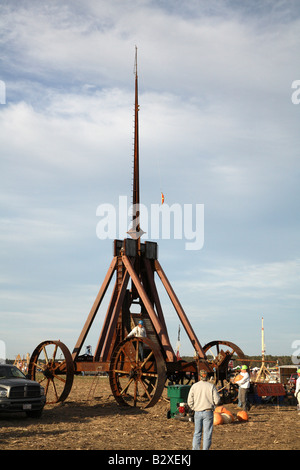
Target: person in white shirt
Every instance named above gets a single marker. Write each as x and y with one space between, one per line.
244 386
139 331
297 390
202 399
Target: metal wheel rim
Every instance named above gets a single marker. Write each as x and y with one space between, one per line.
217 343
53 373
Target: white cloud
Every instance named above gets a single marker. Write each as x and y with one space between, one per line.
269 279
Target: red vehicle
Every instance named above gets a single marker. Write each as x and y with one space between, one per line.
292 379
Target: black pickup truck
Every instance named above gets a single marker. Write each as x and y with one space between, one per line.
17 393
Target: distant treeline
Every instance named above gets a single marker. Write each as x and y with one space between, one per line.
255 361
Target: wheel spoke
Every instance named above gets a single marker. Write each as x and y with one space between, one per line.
148 374
147 358
126 386
54 388
36 365
135 392
118 371
60 367
136 351
146 389
47 386
57 377
42 380
54 353
46 356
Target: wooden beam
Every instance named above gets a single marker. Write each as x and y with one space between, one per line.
106 323
94 309
150 277
114 319
180 312
160 331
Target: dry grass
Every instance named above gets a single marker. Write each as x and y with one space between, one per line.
100 424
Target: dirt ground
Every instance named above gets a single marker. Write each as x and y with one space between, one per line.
97 422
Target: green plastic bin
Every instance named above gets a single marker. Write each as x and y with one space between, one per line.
177 394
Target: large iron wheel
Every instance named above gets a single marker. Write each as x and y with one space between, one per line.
222 352
52 366
215 348
137 373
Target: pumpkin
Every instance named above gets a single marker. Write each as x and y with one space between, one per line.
229 414
237 378
217 418
220 409
223 410
242 416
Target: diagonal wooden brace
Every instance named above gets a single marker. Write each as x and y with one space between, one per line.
94 309
114 318
161 333
180 312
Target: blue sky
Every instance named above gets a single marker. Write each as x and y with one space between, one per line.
217 127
